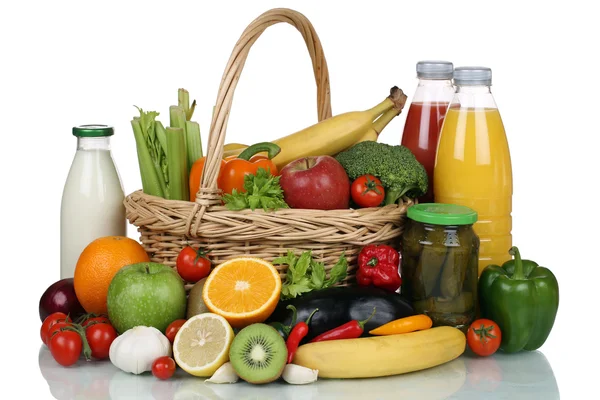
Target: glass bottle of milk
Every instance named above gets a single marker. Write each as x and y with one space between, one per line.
92 202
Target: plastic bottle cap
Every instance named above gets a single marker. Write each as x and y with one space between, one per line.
93 130
434 69
442 214
473 76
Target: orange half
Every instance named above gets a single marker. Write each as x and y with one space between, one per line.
243 290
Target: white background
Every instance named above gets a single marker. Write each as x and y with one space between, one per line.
68 63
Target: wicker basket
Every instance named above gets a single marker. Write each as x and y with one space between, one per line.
166 226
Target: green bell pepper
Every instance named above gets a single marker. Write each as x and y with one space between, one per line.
522 298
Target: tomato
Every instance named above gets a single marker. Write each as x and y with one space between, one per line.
56 328
100 336
173 328
484 337
100 319
163 367
367 191
50 320
65 347
193 265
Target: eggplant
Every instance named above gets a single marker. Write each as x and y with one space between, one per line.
339 305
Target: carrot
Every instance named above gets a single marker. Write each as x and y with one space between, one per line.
404 325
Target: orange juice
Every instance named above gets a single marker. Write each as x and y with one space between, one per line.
473 169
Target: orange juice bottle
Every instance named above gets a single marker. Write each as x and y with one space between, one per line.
473 166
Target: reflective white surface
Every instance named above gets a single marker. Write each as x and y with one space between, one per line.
526 375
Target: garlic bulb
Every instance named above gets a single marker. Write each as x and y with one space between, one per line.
225 374
298 375
136 349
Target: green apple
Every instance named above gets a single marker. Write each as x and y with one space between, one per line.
147 294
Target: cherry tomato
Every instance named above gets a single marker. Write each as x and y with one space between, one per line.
367 191
49 321
484 337
173 328
57 327
100 336
102 319
163 367
65 347
193 265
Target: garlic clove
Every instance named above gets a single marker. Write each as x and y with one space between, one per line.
225 374
298 375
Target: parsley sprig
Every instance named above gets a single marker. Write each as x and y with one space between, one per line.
261 191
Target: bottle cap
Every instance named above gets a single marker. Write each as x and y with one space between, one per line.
93 130
434 69
442 214
473 76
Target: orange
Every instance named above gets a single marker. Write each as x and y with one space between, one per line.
97 265
243 290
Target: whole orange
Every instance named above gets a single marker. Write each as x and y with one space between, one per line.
98 264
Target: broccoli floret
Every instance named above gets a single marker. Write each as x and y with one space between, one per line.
396 166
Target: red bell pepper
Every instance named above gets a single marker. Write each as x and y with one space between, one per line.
378 266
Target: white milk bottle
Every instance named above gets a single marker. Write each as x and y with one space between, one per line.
92 202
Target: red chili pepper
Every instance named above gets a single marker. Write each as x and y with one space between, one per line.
296 335
350 330
378 266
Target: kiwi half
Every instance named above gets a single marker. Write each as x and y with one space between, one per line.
258 354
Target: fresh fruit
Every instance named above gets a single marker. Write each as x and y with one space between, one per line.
192 265
163 367
173 328
49 321
484 337
258 354
367 191
319 183
195 304
65 347
100 336
243 290
382 355
98 264
135 350
147 294
202 344
60 297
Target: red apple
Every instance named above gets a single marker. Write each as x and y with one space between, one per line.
319 183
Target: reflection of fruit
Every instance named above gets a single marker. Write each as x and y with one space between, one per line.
319 183
195 303
243 290
60 297
258 354
97 265
202 344
147 294
485 374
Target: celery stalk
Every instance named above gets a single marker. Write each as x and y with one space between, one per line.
177 117
193 142
151 182
177 163
183 101
161 136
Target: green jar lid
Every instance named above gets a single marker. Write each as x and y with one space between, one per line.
442 214
93 130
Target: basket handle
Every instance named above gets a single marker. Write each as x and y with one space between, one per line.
208 193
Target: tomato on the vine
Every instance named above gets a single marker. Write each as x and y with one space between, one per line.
57 328
173 328
163 367
484 337
367 191
95 319
51 320
65 346
100 336
193 265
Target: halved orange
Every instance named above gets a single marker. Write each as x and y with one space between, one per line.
243 290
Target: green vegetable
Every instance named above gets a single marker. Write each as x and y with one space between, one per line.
261 190
151 155
522 298
396 166
178 170
305 274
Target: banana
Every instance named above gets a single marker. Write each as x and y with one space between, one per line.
382 355
375 129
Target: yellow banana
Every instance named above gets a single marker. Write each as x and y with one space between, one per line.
375 129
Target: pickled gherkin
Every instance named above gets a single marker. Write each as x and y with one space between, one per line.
440 263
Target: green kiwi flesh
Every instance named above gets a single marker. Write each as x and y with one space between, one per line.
258 354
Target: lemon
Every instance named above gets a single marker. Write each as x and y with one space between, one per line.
202 344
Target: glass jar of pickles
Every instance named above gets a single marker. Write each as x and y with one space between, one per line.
440 254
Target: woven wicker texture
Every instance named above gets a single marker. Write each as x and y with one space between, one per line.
166 226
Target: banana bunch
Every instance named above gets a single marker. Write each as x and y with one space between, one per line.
335 134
